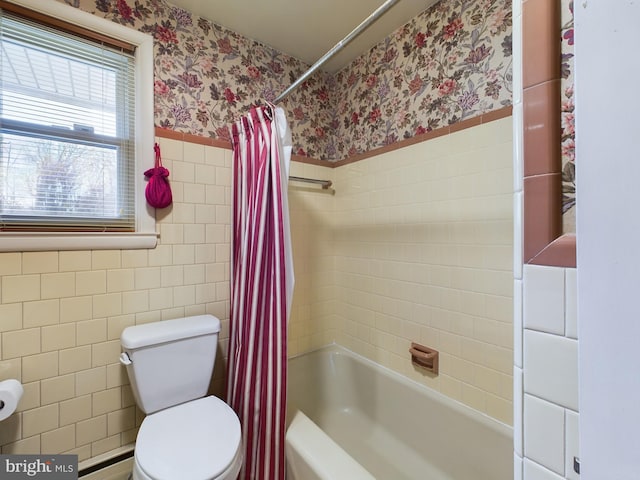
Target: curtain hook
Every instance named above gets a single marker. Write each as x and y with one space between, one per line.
268 111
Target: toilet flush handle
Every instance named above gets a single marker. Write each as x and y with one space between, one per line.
124 359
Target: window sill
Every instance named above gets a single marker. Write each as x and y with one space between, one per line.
47 241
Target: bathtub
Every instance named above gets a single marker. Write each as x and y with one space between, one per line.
349 418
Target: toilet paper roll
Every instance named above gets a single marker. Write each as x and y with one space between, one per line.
10 393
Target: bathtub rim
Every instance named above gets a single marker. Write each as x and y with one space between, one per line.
335 348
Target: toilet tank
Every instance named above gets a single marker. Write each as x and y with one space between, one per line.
170 362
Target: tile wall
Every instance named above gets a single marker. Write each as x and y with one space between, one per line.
312 211
423 243
61 313
546 375
415 245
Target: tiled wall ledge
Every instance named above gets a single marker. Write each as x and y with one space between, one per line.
456 127
544 243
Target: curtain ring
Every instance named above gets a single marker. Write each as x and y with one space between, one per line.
268 111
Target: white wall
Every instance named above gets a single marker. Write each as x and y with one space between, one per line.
607 142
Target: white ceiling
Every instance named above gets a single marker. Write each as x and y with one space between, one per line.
307 29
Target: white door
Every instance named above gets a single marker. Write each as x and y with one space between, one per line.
607 66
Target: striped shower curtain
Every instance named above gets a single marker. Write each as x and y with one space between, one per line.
261 289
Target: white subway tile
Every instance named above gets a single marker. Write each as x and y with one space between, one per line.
517 323
75 261
38 367
120 280
11 315
206 174
161 255
183 254
543 299
572 442
134 258
184 212
90 430
10 263
41 313
571 303
206 214
193 152
39 420
91 283
551 368
171 149
105 259
216 156
171 233
58 285
194 193
39 262
518 411
21 288
58 337
184 296
194 234
74 309
147 278
518 236
517 467
20 343
90 381
57 389
172 276
194 274
161 298
534 471
544 433
134 302
183 172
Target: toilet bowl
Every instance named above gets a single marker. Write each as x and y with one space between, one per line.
196 440
185 435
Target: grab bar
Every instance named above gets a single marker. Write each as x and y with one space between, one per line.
325 183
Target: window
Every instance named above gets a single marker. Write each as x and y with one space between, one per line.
73 131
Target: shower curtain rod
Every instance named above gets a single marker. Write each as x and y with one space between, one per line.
381 10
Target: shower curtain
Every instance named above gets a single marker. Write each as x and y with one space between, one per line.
261 289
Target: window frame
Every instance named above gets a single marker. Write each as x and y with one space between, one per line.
145 235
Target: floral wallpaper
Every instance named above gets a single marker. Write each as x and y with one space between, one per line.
568 121
207 76
449 63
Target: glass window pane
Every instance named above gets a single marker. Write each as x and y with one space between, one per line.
46 177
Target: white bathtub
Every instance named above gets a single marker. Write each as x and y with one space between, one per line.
363 421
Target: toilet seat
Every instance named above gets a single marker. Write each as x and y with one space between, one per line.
198 440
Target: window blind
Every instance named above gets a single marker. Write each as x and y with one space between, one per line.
67 152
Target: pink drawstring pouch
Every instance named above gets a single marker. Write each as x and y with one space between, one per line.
158 191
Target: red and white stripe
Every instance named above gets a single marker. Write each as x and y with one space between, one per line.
257 367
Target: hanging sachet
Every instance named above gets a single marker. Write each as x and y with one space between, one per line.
158 191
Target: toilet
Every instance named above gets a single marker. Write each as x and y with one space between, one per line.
185 433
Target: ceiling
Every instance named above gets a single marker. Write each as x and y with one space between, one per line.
307 29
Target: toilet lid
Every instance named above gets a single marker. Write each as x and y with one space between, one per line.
197 440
